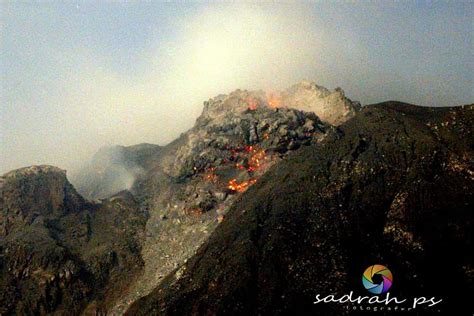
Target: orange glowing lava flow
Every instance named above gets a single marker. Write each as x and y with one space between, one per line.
240 187
252 104
256 160
273 100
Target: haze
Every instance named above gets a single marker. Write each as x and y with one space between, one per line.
75 78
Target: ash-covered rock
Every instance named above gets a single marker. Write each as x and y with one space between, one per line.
188 185
32 193
58 252
394 187
332 107
243 118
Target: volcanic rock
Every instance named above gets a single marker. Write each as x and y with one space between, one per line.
58 252
108 257
200 175
331 107
392 186
301 205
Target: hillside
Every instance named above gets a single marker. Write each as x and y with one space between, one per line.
267 200
394 185
188 185
151 206
59 252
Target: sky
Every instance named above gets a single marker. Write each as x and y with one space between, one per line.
79 76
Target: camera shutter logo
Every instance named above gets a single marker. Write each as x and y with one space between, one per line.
377 270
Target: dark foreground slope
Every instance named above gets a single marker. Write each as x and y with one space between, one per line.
60 254
394 186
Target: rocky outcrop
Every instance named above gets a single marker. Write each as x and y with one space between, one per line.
60 253
231 122
294 198
277 122
392 186
33 193
190 184
332 107
188 192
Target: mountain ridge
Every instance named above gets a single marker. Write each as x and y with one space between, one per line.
319 218
60 252
178 197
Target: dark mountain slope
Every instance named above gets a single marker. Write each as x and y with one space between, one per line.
186 187
59 252
393 186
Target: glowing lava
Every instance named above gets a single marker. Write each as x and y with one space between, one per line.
273 100
257 157
252 159
252 104
211 176
240 187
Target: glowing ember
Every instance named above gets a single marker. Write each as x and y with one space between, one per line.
240 187
256 160
274 100
246 158
252 104
211 177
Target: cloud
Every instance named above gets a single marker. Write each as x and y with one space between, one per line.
85 104
75 79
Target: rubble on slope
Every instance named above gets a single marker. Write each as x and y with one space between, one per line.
386 189
188 185
233 143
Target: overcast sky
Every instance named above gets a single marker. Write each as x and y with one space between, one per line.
80 76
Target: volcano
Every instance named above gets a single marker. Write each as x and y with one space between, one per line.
391 185
269 199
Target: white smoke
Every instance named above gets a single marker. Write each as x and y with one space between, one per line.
65 100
